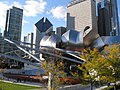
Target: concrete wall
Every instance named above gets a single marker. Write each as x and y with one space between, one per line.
83 14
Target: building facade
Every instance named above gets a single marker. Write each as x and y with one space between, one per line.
81 14
104 18
115 19
60 31
13 25
1 43
108 22
43 27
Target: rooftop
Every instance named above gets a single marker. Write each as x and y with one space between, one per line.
73 2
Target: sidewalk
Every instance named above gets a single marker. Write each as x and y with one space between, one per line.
41 85
102 87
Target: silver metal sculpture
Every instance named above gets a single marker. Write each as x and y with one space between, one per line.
73 37
50 41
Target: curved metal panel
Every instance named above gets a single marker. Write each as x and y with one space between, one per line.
98 43
73 37
50 41
111 39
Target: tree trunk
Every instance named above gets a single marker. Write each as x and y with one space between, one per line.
115 86
115 82
50 81
91 87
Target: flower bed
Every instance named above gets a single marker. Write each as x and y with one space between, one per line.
70 81
67 80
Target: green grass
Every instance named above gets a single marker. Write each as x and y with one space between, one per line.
13 86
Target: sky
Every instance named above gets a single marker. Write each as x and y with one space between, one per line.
34 10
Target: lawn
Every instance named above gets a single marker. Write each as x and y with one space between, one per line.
13 86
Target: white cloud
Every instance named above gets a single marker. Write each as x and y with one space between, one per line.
17 4
4 6
33 8
3 9
58 12
24 22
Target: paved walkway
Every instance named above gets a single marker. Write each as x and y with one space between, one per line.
42 85
100 88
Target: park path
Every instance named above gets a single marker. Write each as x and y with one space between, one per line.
42 85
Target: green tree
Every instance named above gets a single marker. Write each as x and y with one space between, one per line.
88 68
54 70
112 55
95 66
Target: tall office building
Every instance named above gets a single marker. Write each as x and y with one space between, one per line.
43 27
104 18
108 22
13 26
1 42
25 39
60 31
30 40
81 14
115 19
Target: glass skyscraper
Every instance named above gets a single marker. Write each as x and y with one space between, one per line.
104 18
13 26
115 19
108 20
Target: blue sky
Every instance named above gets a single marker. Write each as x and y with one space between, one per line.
34 10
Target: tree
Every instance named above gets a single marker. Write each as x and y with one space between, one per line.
88 69
112 55
101 66
54 70
95 66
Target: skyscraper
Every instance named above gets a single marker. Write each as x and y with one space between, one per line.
43 27
60 31
30 40
13 26
1 42
108 22
115 20
81 14
104 18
